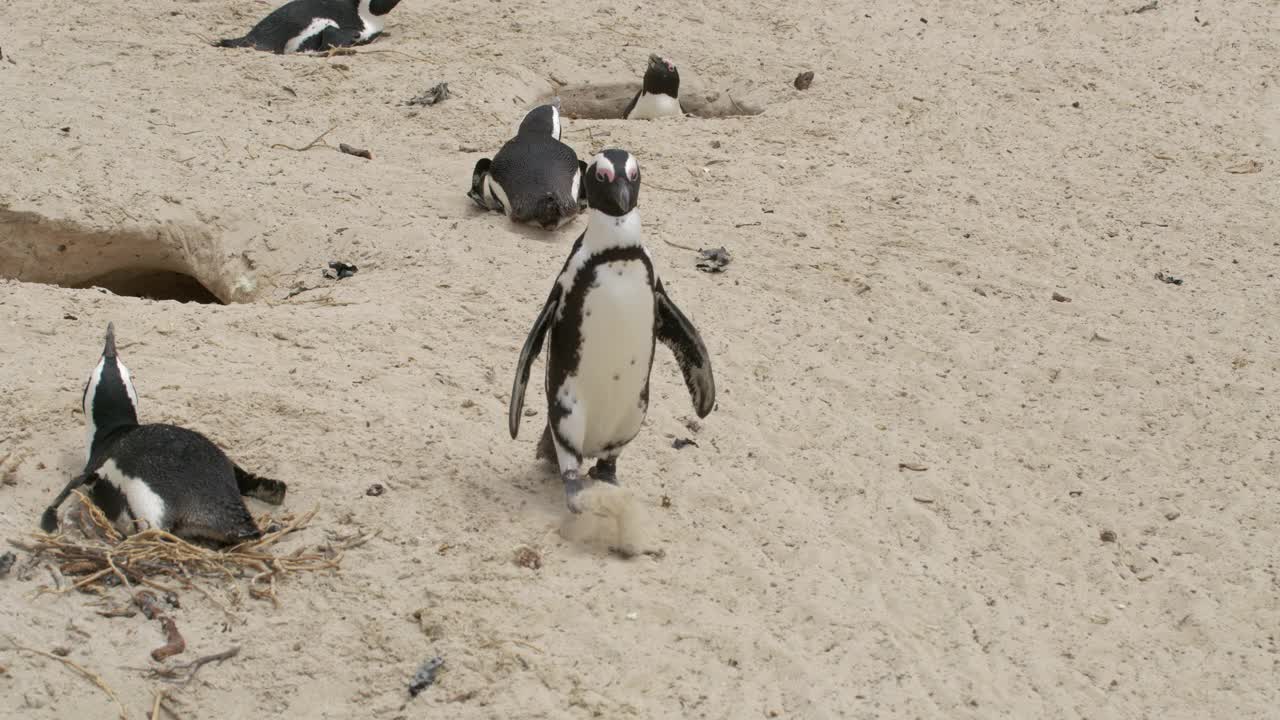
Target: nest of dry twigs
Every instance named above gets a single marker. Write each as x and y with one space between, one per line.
102 557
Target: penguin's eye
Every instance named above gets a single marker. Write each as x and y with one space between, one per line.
601 177
631 173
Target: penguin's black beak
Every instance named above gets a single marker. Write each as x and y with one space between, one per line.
109 350
622 196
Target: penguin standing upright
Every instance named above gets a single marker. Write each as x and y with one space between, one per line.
660 94
534 177
158 476
303 25
604 313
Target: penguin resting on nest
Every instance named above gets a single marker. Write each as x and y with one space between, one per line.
605 311
534 178
158 476
305 25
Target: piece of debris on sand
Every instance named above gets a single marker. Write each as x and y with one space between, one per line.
425 676
436 94
714 261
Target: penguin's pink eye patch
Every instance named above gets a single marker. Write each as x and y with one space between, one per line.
633 168
604 175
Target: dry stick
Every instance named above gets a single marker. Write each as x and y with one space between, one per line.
678 245
195 665
309 145
96 679
155 708
331 52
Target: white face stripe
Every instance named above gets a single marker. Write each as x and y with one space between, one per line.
90 390
603 164
577 184
632 167
315 28
555 122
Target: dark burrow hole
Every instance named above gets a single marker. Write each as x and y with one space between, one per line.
607 101
153 285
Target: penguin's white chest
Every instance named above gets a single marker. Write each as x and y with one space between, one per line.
146 507
617 346
655 105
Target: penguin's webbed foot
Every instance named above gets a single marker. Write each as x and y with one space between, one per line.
605 471
572 490
49 521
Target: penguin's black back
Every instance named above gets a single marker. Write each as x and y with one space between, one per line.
194 478
285 22
536 172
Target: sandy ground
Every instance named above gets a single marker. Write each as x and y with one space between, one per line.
898 231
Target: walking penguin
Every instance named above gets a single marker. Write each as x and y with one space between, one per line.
303 25
158 476
534 178
604 313
660 94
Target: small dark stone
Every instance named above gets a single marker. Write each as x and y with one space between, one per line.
66 129
1059 297
715 144
6 562
375 490
1107 536
69 316
804 80
1076 104
681 443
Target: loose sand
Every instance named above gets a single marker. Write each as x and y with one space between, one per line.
898 233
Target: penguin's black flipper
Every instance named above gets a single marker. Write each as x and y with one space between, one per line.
476 193
632 105
582 185
532 346
676 332
264 489
49 520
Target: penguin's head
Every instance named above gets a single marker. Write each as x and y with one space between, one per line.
542 120
613 182
109 398
661 78
378 7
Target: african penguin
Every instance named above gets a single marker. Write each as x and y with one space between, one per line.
660 94
158 476
302 25
534 177
605 311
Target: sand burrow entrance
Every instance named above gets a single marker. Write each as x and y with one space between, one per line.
606 101
167 261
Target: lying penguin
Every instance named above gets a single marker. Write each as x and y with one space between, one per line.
158 476
303 25
534 178
605 311
660 94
